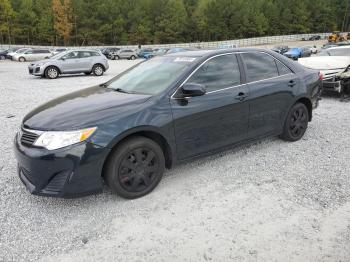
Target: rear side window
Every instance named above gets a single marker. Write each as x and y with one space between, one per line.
94 54
259 66
282 69
84 54
218 73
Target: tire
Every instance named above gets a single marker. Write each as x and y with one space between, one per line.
110 56
21 59
2 57
116 57
296 123
132 57
125 171
98 70
51 72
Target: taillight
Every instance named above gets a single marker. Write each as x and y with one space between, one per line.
320 76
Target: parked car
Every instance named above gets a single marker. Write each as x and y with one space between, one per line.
297 52
3 53
332 63
281 49
15 51
145 53
156 52
32 55
329 45
313 49
110 52
125 54
224 46
315 37
161 112
59 50
71 62
177 50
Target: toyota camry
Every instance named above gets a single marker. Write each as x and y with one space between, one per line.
161 112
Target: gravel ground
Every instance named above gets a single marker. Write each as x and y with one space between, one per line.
268 201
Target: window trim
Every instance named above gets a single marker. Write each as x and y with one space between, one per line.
241 64
198 67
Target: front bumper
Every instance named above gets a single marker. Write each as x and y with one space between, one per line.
68 172
36 70
332 84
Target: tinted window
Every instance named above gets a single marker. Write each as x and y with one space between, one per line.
40 51
282 69
259 66
218 73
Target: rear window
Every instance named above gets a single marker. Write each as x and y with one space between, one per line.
259 66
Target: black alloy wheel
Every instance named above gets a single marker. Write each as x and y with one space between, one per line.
135 168
296 123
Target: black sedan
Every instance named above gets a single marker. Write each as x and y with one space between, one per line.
159 113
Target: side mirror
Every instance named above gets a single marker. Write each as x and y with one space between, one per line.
192 89
63 59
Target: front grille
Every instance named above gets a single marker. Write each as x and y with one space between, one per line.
28 138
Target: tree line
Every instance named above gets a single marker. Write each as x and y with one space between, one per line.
120 22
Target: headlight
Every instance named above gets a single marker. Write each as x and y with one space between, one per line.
57 139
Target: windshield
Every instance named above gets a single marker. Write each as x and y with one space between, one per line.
59 55
151 77
22 50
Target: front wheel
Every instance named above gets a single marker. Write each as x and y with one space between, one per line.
97 70
51 72
296 123
135 168
21 59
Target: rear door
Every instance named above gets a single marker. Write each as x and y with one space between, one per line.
86 61
272 88
216 119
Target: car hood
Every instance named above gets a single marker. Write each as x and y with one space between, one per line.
325 62
41 61
86 108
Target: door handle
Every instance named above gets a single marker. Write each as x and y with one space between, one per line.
241 96
291 83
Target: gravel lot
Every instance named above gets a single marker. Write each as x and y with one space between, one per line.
268 201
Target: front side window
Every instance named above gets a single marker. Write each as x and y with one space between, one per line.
71 55
218 73
259 66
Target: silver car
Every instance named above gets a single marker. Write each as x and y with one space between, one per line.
32 55
71 62
126 54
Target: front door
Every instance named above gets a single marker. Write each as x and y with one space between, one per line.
216 119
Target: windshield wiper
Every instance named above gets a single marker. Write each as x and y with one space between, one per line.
121 90
103 85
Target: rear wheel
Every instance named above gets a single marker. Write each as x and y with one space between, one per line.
21 59
133 57
116 57
135 168
51 72
2 57
110 56
296 123
97 70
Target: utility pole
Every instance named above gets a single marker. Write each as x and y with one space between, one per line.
345 17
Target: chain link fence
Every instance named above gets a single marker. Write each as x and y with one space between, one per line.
255 41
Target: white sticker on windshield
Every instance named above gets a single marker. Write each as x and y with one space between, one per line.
184 59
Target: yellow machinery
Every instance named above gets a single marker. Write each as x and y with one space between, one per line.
336 37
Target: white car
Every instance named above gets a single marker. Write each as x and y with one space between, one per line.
19 51
331 62
313 49
32 55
